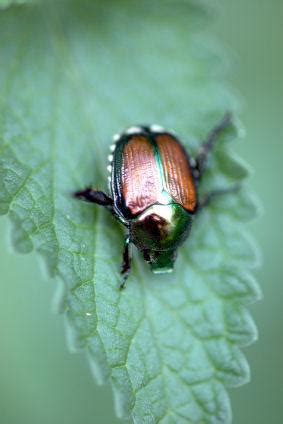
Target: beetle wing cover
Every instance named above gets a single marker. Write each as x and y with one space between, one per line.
178 177
140 177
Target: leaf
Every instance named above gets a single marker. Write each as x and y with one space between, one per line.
73 76
6 3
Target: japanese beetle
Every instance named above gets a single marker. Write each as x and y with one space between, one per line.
153 191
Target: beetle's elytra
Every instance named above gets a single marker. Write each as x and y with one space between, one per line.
154 191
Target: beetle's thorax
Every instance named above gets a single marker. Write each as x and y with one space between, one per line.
160 227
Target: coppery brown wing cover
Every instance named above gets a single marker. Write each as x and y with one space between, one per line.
146 165
140 178
178 177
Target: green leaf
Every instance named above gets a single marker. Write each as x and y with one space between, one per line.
73 76
6 3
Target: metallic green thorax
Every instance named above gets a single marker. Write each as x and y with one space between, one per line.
158 231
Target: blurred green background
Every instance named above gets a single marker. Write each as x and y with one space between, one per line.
42 383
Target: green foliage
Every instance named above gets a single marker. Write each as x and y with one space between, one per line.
6 3
73 76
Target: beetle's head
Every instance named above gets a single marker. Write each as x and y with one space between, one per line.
158 231
161 261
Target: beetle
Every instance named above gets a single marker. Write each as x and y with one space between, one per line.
153 187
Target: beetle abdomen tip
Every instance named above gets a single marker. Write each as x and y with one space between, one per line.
157 128
134 130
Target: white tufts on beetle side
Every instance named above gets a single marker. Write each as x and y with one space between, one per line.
112 147
109 168
116 137
110 158
193 162
157 128
133 130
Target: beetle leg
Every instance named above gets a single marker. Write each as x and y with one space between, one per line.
207 146
93 196
126 265
209 197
